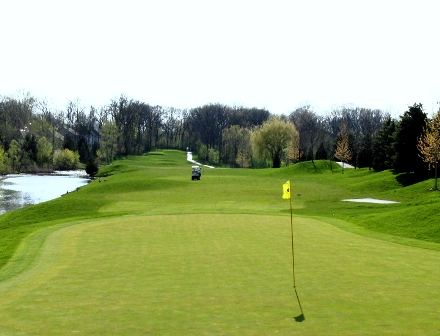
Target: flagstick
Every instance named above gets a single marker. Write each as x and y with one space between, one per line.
301 317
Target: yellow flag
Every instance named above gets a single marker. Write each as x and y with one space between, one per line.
286 190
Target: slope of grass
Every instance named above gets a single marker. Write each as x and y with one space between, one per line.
161 184
415 217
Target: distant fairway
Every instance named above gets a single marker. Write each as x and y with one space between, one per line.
220 274
146 251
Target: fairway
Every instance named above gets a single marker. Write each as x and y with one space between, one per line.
219 274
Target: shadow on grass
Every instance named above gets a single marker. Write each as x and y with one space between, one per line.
407 179
301 317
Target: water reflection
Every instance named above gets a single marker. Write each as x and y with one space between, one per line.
18 191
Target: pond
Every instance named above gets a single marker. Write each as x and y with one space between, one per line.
18 191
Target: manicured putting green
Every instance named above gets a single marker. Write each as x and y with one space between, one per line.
219 275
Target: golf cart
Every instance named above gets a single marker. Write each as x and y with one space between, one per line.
196 173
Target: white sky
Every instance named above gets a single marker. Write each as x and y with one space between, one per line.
274 54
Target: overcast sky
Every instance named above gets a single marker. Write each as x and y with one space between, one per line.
268 54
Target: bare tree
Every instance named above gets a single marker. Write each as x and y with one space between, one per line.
343 152
236 146
76 117
429 144
209 121
362 125
310 128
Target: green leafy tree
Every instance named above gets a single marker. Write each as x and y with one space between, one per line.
44 152
429 144
213 156
14 155
237 146
109 142
408 132
65 159
3 161
210 156
271 140
293 152
243 160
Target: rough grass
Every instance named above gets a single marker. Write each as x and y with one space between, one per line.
145 250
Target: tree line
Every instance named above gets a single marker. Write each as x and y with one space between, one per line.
36 137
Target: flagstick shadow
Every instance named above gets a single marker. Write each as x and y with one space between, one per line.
299 318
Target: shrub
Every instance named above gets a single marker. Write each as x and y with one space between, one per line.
3 165
91 166
65 159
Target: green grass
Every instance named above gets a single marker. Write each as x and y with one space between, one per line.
145 250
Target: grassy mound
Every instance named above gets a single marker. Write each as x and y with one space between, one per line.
164 181
161 184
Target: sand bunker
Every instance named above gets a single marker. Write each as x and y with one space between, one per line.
189 157
345 165
369 200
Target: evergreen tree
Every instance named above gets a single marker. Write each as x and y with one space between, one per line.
383 146
30 146
309 154
408 132
83 150
321 153
68 143
91 166
365 153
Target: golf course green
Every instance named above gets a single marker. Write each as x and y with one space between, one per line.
144 250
